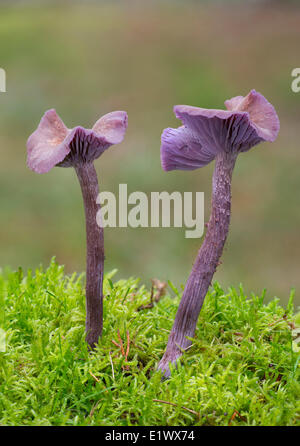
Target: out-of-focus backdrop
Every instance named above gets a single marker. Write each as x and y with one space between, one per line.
89 58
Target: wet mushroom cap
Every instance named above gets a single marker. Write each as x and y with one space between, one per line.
53 144
247 121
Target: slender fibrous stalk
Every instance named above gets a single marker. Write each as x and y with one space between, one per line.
94 254
205 265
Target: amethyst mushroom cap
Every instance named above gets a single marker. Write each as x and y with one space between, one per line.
247 121
53 144
207 135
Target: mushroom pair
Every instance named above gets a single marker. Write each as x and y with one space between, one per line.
205 135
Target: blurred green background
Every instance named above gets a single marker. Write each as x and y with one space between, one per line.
89 58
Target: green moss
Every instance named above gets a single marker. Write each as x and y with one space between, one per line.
242 368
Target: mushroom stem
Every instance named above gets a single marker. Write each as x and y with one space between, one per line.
205 265
94 254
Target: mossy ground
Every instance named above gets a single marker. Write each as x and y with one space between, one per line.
243 367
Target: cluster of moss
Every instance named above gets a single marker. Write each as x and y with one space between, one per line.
242 368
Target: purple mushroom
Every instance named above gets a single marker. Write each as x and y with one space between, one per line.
53 144
207 135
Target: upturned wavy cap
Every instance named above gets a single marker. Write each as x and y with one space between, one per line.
53 144
247 121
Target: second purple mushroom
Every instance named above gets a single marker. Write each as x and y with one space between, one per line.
208 135
53 144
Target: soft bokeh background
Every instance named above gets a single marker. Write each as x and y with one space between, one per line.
88 58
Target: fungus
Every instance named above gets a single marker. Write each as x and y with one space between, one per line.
208 135
53 144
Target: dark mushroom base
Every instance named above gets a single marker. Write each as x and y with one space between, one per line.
95 254
205 265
